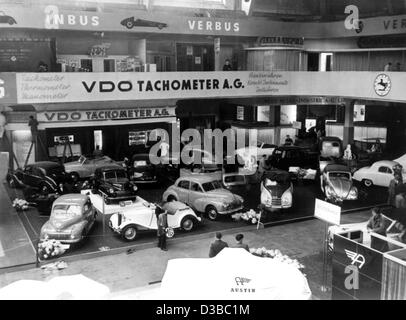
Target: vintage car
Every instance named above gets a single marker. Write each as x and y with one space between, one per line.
337 185
72 217
142 216
43 176
331 150
204 194
249 156
276 190
112 182
379 173
142 170
131 22
287 157
85 166
7 19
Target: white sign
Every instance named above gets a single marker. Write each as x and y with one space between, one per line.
327 212
240 113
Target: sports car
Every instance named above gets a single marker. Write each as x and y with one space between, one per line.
131 22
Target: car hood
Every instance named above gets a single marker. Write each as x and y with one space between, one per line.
73 164
62 224
278 190
341 186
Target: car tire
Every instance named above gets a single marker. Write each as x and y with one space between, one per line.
129 233
171 198
187 223
10 22
129 24
212 213
367 183
75 176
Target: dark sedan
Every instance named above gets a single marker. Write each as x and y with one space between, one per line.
131 22
112 182
44 176
142 170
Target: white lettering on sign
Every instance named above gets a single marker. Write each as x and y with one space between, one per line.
93 115
351 22
327 212
2 91
214 25
53 19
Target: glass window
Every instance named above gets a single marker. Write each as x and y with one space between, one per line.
384 170
63 211
110 175
195 187
212 185
184 184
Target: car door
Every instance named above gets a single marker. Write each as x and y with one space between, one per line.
182 190
383 176
195 193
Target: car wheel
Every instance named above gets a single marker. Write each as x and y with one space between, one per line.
171 198
10 22
75 176
187 223
129 24
212 213
367 183
129 233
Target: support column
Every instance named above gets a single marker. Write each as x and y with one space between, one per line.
348 136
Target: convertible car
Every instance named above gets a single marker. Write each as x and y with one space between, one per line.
43 176
336 183
72 217
112 181
379 174
204 194
276 190
7 19
85 166
142 217
131 22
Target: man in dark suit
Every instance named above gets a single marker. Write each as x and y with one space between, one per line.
162 220
217 245
239 242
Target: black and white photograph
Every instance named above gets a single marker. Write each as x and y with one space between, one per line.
216 152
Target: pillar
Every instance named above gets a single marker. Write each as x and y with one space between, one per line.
348 135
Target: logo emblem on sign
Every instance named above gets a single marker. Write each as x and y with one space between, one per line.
382 85
355 258
241 281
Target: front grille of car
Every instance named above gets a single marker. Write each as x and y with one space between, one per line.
276 201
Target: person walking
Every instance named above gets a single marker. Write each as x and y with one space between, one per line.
239 242
162 221
217 245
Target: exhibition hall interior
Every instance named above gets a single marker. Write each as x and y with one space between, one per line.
253 149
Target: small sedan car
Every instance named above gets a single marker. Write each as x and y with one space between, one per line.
72 217
85 166
43 176
379 173
112 181
143 171
131 22
204 194
142 216
7 19
276 190
337 185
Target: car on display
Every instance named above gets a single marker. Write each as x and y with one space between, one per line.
331 150
141 216
379 173
337 185
6 18
72 218
204 194
85 166
112 182
142 170
276 190
132 22
249 156
286 157
43 176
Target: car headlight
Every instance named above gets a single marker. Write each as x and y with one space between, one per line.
111 190
353 193
266 198
287 198
135 188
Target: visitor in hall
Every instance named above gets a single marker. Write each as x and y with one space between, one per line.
217 245
239 242
388 67
227 65
97 153
288 141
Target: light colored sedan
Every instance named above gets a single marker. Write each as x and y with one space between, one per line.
204 194
379 173
85 166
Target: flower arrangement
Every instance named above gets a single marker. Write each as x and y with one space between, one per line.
51 248
277 255
20 204
249 216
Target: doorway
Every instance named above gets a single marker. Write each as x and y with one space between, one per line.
313 61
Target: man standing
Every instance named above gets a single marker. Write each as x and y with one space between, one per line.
396 188
162 221
33 123
388 67
238 238
288 141
217 245
227 66
377 225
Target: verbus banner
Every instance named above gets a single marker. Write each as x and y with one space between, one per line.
77 87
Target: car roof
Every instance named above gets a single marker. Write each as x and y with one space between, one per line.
389 163
45 164
199 178
277 175
72 198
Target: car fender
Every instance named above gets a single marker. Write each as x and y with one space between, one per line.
170 192
202 203
15 176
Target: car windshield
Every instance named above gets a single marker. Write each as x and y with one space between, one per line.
212 185
117 174
82 159
65 211
340 175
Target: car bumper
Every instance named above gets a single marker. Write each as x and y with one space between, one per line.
62 238
272 207
232 210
